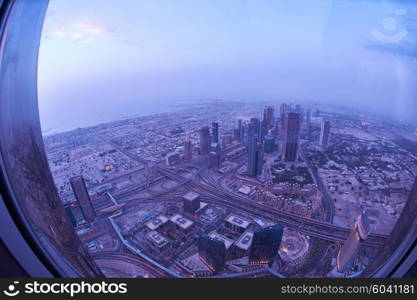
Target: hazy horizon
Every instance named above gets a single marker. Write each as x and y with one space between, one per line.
105 61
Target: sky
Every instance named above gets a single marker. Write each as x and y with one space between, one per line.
103 60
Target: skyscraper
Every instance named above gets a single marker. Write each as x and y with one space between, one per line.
291 137
70 215
263 130
324 134
269 144
346 256
269 117
215 132
212 252
239 130
252 155
188 154
283 110
265 244
254 127
81 194
205 140
259 158
215 156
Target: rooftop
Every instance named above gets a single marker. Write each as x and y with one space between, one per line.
156 222
157 239
181 221
244 189
191 196
217 236
238 221
245 240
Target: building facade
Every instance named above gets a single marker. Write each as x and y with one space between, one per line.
81 194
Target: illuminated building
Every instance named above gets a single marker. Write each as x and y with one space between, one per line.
81 194
346 256
265 244
291 137
212 252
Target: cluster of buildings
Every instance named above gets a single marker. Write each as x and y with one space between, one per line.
260 246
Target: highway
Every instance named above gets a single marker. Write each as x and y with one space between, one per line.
308 226
312 227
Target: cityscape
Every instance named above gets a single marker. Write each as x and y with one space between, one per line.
225 189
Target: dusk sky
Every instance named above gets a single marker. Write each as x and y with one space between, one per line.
103 60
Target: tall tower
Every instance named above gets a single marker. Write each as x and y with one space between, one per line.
215 132
291 137
255 156
358 235
265 244
215 158
205 140
239 130
254 127
81 194
324 134
269 116
284 109
212 253
188 153
252 161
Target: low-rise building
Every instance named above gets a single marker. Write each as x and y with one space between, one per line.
236 223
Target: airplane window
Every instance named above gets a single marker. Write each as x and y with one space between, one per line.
222 138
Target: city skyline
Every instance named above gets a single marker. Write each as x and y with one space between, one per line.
234 209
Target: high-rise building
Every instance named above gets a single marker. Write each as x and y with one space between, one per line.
191 202
81 194
215 156
254 127
346 256
269 144
265 244
259 158
252 157
239 130
283 110
263 130
269 117
188 152
291 137
255 156
215 132
70 214
324 134
205 140
212 252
